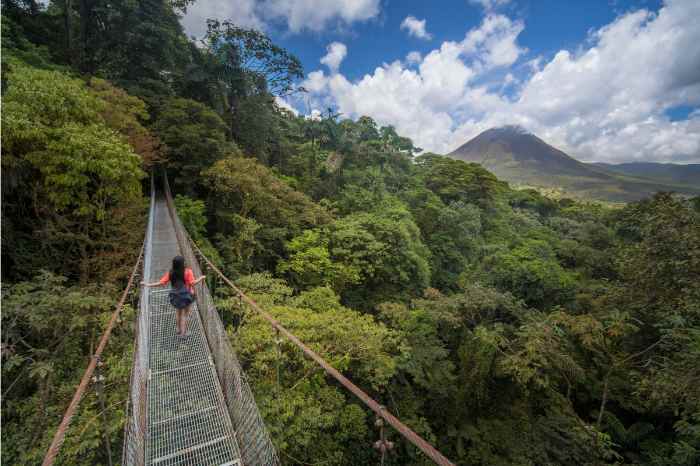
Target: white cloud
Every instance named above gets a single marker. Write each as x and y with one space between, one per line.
241 12
509 80
335 54
489 5
416 27
414 57
606 101
609 101
286 105
297 15
315 82
315 15
535 64
495 41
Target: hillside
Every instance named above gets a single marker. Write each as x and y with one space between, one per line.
660 172
521 158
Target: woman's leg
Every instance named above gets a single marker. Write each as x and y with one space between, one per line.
185 318
178 321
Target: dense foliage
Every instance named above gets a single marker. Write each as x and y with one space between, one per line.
503 326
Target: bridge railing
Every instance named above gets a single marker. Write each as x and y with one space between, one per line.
253 439
135 427
235 384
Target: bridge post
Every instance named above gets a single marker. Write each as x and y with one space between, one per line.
98 380
278 343
241 313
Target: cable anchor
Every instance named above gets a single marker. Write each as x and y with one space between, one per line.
382 445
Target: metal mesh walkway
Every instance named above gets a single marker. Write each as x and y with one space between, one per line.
188 421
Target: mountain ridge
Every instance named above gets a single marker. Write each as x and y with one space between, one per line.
687 174
520 157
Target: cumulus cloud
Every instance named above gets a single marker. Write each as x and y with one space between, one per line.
316 15
489 5
281 103
414 57
609 101
495 41
296 15
605 101
241 12
336 52
415 27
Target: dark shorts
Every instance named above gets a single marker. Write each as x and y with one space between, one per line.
180 298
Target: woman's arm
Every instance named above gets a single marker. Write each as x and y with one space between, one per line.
146 284
163 281
197 281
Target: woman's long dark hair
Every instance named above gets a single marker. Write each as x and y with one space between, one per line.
177 273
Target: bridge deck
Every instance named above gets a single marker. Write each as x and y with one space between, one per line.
188 423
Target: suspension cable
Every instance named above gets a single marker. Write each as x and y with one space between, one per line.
380 410
60 434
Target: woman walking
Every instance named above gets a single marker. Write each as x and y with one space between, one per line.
181 294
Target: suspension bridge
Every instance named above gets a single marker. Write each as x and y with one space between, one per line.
189 401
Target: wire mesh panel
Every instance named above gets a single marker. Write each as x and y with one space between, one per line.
135 435
256 447
134 449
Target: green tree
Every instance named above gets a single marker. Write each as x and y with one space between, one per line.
660 269
396 260
504 395
249 69
256 128
127 115
82 179
50 329
192 213
255 212
310 263
310 418
531 273
254 63
451 232
195 138
455 180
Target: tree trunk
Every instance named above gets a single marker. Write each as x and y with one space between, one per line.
604 400
67 26
85 21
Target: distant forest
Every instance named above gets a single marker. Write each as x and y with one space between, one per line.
505 327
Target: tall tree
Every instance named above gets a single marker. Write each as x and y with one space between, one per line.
81 179
195 139
245 63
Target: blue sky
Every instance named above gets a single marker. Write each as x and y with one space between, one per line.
551 25
606 80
